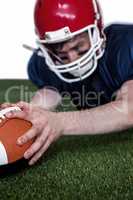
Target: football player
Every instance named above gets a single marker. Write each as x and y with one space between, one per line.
77 57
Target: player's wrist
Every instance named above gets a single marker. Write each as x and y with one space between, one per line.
61 118
67 122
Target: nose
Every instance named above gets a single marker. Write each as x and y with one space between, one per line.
72 56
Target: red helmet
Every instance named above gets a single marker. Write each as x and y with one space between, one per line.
60 20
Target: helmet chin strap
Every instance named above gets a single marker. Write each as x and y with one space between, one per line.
50 52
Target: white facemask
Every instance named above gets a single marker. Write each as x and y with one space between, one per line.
84 66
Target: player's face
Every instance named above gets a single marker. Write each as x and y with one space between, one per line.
71 50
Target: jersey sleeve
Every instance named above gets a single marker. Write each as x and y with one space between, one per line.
130 51
41 75
119 54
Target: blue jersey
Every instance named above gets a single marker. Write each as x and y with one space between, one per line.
114 68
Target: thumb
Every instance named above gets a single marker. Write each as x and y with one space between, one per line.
24 106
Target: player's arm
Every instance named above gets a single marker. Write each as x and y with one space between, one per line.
46 98
49 126
114 116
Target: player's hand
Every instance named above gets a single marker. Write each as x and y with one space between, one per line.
45 130
6 105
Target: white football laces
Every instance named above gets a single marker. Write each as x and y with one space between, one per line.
4 111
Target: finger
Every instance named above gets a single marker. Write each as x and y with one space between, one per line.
33 132
17 114
37 145
24 106
6 105
38 155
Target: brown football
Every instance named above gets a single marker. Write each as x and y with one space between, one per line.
10 131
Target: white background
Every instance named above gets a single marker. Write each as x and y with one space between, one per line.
17 27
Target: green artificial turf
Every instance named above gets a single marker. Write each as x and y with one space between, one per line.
74 168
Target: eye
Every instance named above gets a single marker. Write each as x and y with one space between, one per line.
63 57
81 53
